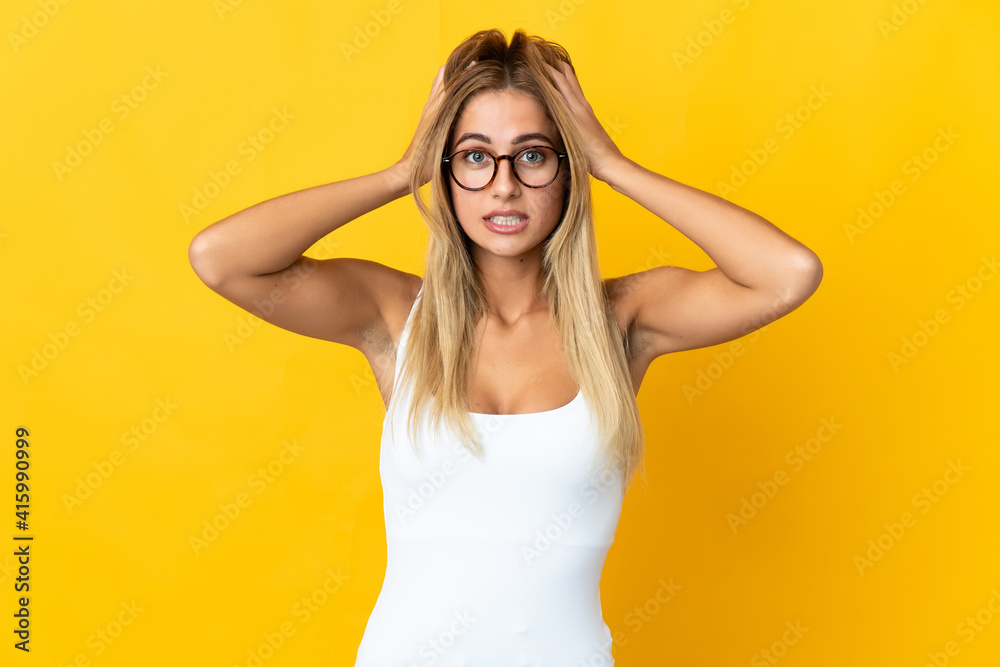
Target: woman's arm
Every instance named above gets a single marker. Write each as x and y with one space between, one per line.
762 273
241 256
748 249
268 237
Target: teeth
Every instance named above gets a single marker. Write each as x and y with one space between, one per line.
505 220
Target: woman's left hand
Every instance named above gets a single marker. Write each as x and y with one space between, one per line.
602 153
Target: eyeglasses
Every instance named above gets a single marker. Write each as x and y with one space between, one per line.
533 166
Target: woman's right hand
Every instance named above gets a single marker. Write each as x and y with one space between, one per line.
430 108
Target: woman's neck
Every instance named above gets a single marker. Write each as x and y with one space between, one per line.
513 286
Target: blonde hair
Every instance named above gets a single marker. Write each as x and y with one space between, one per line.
441 338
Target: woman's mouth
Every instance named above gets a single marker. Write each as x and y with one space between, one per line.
506 224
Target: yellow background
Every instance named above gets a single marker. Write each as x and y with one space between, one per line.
892 77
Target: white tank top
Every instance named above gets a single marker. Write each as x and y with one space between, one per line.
495 563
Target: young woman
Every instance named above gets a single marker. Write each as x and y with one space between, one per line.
510 370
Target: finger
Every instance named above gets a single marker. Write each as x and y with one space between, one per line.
571 84
437 78
560 80
563 69
436 86
572 81
556 74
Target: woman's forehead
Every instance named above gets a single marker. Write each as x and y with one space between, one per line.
501 118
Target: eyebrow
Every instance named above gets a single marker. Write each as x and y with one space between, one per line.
531 136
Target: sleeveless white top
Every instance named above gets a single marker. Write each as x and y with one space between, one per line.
493 563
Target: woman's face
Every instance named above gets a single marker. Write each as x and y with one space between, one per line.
502 123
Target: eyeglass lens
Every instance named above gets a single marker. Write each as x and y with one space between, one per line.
534 166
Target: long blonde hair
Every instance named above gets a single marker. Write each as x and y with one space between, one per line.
441 338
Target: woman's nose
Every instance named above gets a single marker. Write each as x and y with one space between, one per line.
505 180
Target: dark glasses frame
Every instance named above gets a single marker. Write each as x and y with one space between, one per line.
496 166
